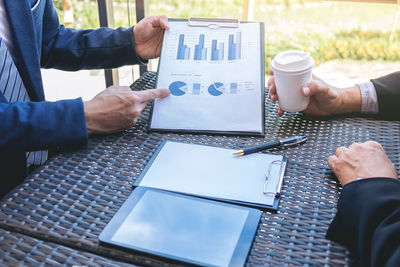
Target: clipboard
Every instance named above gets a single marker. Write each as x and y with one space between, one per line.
221 92
214 173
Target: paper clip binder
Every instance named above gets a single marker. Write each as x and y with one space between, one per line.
214 173
213 23
215 45
282 165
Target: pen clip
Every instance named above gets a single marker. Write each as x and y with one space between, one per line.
292 141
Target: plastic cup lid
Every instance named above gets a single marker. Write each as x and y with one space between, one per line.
292 60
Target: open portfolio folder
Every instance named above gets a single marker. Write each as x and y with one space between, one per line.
214 69
215 173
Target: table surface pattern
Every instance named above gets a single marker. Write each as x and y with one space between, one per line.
57 213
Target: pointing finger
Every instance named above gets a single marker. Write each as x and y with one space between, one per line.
152 93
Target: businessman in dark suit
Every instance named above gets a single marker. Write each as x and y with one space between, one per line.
32 37
368 216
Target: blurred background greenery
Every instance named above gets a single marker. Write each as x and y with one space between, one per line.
329 30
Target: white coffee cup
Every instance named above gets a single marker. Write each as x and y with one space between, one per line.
292 70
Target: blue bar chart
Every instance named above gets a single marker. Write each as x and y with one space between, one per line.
217 53
233 88
196 88
203 43
200 53
183 50
234 49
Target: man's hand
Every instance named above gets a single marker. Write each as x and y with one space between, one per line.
148 35
324 99
365 160
117 108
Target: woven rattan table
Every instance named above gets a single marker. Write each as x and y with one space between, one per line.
56 215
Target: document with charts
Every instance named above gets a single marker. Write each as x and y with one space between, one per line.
215 73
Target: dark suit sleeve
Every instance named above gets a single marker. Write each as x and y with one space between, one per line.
388 93
29 126
70 49
368 221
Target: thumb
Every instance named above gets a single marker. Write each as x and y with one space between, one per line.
152 93
163 22
312 88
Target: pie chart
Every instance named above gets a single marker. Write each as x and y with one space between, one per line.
216 89
178 88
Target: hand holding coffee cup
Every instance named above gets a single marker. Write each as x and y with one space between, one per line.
292 70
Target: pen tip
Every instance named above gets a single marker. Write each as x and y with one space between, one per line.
239 153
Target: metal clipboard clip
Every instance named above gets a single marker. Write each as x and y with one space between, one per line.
277 193
213 23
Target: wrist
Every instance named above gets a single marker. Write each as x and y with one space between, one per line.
88 117
349 100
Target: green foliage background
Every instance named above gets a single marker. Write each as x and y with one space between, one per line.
328 30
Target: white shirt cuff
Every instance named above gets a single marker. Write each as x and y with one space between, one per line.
369 99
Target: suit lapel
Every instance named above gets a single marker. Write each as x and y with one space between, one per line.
26 55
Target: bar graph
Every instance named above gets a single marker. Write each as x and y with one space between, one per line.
234 49
183 50
200 53
209 47
217 53
233 88
196 88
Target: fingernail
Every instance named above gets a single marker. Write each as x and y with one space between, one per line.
306 91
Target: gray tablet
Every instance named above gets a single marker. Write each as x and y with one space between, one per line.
183 228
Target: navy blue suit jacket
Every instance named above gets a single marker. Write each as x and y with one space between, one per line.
40 41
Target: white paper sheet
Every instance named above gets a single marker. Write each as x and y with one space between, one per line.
214 76
213 172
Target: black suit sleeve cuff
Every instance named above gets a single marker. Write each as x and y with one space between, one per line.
388 94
